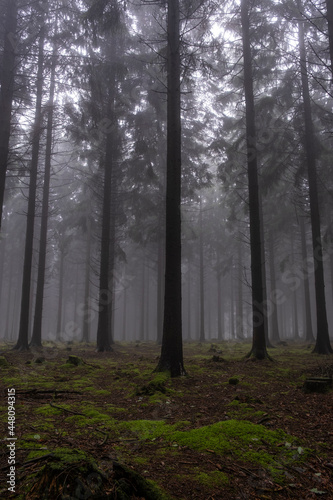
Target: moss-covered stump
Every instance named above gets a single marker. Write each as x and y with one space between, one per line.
70 473
75 360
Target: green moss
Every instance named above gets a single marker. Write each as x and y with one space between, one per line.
215 478
48 410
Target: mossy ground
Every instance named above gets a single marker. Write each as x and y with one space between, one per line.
194 437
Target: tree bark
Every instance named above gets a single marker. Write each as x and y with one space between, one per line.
7 92
258 350
171 358
323 345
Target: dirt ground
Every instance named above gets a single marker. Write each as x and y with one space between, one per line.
91 407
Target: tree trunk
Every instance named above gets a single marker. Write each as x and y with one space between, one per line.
294 292
258 350
60 295
275 335
202 279
239 303
323 345
22 342
7 91
160 291
142 305
105 290
36 339
171 358
309 337
86 317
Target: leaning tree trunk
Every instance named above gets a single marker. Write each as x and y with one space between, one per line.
22 342
323 345
171 358
36 339
7 91
258 350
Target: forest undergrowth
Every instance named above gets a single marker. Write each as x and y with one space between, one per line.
103 425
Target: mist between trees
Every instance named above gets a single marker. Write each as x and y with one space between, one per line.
166 173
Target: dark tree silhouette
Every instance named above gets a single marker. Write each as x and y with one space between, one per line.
323 345
171 358
259 341
22 342
36 339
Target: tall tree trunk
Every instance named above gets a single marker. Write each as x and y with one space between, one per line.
142 305
232 306
239 302
7 91
171 358
275 335
219 307
202 278
60 295
36 339
323 345
86 318
306 286
189 335
22 342
259 335
295 305
105 290
160 290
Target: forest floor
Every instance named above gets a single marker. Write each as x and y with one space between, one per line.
111 428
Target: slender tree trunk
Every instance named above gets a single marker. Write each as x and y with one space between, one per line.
219 308
36 339
275 335
189 335
142 307
239 302
60 296
124 336
171 358
295 308
22 342
86 318
202 279
323 345
306 286
7 91
105 288
160 291
259 334
232 307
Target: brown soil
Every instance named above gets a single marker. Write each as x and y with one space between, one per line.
268 393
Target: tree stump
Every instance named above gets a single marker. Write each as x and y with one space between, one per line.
317 384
